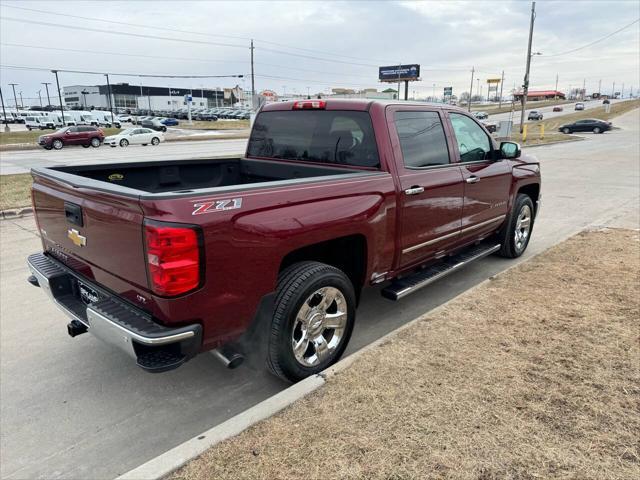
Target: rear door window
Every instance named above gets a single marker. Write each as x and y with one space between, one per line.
422 139
324 136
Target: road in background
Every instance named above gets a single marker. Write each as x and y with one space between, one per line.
77 408
22 161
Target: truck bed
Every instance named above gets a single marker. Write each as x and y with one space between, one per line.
186 176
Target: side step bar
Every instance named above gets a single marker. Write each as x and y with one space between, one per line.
414 282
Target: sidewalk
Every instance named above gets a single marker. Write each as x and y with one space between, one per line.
531 375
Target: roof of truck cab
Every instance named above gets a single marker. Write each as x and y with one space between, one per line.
355 104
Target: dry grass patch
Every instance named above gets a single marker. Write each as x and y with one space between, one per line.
532 375
15 191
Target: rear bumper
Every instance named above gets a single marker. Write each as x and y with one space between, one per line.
156 348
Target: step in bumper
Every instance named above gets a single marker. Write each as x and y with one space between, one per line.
154 346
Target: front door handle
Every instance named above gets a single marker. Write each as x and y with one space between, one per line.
472 179
415 190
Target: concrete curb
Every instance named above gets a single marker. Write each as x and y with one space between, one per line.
579 139
175 458
15 213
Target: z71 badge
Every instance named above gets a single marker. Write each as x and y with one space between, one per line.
212 206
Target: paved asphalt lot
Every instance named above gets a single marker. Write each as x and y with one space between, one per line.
22 161
75 408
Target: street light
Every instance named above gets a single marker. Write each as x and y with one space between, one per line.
84 97
46 85
40 97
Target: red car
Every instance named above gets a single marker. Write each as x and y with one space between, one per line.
557 108
81 135
268 254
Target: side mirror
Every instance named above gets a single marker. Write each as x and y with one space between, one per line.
510 150
67 132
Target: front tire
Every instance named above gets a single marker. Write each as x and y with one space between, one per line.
86 146
313 318
124 142
566 130
515 234
57 144
155 141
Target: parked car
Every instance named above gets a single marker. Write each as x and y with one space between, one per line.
170 122
481 115
557 108
534 115
270 252
79 135
490 126
588 125
579 106
135 136
154 124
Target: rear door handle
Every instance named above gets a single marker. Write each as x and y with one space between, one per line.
472 179
415 190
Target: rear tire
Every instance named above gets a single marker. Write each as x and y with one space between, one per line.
315 310
95 142
597 130
516 231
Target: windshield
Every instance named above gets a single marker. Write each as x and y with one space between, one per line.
62 130
126 132
325 136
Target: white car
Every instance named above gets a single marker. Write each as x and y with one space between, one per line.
135 136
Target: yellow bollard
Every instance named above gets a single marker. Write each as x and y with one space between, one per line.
542 132
524 133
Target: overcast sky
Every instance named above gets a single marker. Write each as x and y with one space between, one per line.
320 45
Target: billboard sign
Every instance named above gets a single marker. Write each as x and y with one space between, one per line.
493 80
397 73
448 90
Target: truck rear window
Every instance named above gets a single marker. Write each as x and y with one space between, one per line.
324 136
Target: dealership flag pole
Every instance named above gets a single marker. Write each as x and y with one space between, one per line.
253 85
109 95
501 85
470 90
4 114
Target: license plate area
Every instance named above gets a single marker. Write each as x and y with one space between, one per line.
86 294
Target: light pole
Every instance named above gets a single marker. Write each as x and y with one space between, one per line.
308 94
525 86
4 114
15 99
46 85
40 97
113 122
433 94
55 72
84 98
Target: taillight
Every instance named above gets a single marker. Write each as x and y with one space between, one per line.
174 258
310 105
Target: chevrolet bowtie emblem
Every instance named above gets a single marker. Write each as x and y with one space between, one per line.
77 239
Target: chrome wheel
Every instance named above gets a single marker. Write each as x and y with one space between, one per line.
319 326
523 227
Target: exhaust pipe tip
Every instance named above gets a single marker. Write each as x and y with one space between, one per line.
75 328
228 357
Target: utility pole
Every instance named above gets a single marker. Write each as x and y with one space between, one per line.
501 85
584 90
109 97
46 85
470 90
64 122
525 87
15 99
478 89
622 91
4 114
600 86
40 97
253 83
555 94
613 90
21 101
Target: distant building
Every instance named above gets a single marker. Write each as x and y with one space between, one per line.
534 95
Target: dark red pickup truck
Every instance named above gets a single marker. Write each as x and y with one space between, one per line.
270 252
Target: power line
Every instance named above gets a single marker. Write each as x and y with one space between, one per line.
115 74
595 41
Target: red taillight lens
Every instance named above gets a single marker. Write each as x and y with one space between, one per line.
310 105
173 259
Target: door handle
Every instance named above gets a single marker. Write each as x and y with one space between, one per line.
415 190
472 179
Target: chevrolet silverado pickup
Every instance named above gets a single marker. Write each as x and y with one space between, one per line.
270 252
